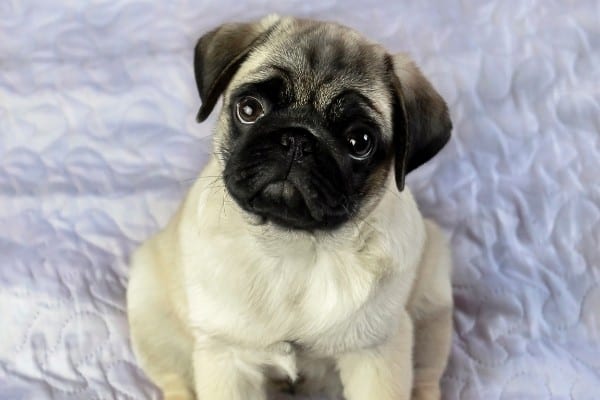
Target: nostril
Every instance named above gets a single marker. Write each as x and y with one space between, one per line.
286 140
299 141
307 146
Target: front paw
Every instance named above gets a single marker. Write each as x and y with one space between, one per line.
177 395
174 388
426 392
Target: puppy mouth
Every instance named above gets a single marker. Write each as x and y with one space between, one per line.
288 203
283 192
282 203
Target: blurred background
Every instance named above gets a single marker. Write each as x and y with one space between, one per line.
98 145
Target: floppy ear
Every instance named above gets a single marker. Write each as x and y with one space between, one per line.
421 122
220 52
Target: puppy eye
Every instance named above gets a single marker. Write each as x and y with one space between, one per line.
360 144
249 110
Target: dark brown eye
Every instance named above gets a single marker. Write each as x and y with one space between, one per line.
360 144
249 110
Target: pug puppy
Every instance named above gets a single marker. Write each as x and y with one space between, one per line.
299 258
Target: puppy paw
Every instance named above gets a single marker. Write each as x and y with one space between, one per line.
179 395
426 392
174 388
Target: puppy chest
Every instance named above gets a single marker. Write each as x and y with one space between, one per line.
287 301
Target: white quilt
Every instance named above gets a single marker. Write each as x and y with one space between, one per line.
98 145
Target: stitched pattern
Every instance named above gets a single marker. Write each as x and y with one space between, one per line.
98 145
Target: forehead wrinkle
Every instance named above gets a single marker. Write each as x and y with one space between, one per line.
331 90
362 71
263 73
270 71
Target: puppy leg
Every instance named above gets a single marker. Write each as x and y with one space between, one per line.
432 345
161 346
164 356
430 308
382 373
174 388
224 373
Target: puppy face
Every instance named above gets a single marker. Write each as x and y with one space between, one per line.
314 116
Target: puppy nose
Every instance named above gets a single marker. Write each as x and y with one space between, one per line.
299 142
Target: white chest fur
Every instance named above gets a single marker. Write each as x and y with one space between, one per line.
257 285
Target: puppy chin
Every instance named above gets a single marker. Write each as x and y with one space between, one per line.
275 213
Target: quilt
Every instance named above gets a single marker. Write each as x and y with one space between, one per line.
98 145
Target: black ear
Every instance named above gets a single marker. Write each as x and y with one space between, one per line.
220 52
421 122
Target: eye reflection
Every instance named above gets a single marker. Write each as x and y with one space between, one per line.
249 110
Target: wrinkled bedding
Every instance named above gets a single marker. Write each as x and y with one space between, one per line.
98 145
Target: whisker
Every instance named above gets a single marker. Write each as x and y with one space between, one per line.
201 177
190 180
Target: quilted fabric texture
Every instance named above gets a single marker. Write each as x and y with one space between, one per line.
98 145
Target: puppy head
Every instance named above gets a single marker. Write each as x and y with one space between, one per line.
314 118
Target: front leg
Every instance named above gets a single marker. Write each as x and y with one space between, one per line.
384 372
225 373
430 308
432 345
